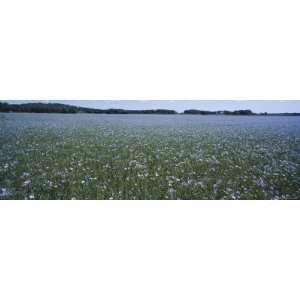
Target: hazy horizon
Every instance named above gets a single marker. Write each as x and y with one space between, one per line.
257 106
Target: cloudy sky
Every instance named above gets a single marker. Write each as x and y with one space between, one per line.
255 105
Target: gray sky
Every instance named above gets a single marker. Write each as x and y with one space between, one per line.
180 105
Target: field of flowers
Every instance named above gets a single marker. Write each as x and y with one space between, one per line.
86 156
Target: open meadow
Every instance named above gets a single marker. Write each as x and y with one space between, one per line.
88 156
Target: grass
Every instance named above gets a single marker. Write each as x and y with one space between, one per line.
149 157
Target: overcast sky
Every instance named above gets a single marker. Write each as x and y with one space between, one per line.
255 105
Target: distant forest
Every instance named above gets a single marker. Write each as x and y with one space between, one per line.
245 112
71 109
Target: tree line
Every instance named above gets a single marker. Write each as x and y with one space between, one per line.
245 112
71 109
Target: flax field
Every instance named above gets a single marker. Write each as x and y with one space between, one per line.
178 157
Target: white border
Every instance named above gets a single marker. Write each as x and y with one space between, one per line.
149 250
141 50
